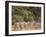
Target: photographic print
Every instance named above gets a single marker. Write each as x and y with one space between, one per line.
24 18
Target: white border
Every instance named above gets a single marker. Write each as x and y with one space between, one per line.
23 4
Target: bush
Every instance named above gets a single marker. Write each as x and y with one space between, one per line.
26 13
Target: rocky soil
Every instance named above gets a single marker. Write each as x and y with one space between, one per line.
20 26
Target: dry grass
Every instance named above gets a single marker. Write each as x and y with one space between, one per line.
20 26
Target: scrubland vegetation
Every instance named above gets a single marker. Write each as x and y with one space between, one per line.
26 18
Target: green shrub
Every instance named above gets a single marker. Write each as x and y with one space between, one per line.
26 13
